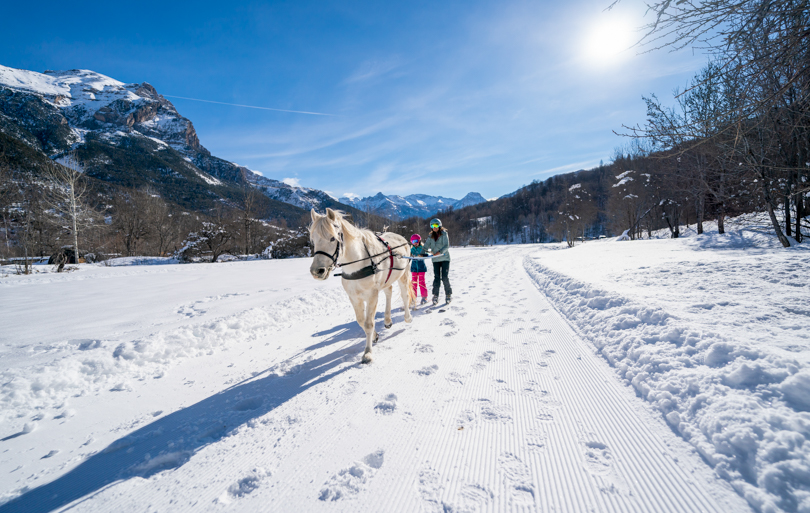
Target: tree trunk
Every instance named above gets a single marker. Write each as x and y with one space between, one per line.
701 205
721 227
75 231
774 221
799 215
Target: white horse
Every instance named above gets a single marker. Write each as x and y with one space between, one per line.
370 264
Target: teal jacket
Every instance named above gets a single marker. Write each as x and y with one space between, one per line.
418 266
438 246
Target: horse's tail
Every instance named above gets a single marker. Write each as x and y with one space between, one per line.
411 293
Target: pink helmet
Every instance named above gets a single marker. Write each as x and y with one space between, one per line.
416 238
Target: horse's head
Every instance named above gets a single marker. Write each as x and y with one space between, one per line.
325 234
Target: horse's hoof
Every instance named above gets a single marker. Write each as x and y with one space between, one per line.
376 337
389 325
408 319
367 358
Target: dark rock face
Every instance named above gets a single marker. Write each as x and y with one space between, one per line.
37 122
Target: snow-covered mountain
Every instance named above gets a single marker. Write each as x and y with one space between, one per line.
130 135
303 197
400 207
85 102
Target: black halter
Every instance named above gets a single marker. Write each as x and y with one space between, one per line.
334 256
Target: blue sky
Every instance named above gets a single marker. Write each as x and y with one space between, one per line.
419 97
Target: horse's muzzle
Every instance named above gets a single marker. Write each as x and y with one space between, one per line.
320 273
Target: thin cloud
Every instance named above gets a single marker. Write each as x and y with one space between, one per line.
372 69
251 106
569 167
292 182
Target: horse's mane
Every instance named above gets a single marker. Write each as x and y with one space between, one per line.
325 228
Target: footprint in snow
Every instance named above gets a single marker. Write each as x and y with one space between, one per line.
244 486
536 440
598 458
248 404
430 489
502 387
387 406
191 310
495 412
352 479
427 371
473 497
484 359
465 419
423 348
456 378
518 480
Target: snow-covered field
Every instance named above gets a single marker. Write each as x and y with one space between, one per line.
661 375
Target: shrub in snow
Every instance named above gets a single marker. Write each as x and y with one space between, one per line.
291 244
209 242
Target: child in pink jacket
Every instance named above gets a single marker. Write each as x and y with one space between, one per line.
418 268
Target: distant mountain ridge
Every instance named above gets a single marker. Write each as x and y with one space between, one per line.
401 207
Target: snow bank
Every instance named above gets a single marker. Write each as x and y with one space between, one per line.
741 404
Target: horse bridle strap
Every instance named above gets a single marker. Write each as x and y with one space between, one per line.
390 255
367 271
334 257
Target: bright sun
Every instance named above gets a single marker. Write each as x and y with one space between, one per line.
608 41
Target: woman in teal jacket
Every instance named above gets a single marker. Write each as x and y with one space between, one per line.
438 243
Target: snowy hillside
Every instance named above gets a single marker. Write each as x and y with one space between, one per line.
656 375
302 197
400 207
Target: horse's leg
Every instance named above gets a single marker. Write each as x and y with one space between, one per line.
368 325
388 291
359 310
406 293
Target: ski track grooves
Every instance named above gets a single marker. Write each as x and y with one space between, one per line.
546 424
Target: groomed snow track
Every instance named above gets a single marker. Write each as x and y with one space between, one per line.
491 405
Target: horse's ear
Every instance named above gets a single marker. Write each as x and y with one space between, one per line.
315 215
331 214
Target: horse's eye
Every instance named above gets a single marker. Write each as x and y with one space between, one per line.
333 239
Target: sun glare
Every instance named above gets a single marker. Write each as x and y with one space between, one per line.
608 41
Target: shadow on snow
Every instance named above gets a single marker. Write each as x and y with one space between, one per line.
171 441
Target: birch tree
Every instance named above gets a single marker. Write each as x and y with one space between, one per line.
67 192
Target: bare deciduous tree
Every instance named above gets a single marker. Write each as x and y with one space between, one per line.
66 195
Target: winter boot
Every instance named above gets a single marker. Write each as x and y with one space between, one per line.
435 300
448 299
424 301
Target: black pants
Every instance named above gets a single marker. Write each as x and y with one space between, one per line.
441 271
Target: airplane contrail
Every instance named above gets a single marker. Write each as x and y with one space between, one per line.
250 106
